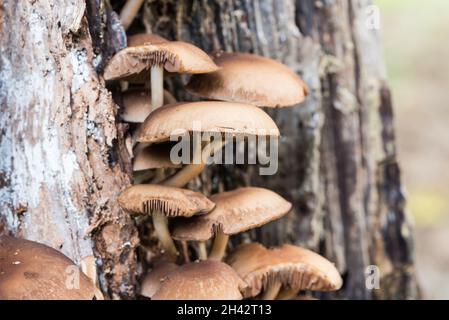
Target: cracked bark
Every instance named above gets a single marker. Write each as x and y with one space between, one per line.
63 163
337 157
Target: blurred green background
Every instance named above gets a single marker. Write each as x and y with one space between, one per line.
415 40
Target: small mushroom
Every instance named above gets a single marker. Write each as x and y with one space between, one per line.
205 280
292 267
33 271
215 118
129 12
174 56
163 202
235 212
144 38
136 103
252 79
152 281
156 156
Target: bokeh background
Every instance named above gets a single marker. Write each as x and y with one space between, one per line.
415 40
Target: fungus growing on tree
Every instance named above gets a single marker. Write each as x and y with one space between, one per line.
150 60
162 202
291 267
236 211
252 79
205 280
136 104
216 118
152 281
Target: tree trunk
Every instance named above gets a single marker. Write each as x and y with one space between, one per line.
62 157
337 156
63 153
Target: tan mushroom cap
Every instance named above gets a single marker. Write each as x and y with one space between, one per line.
319 274
171 201
252 79
144 38
213 117
137 104
156 156
236 211
295 267
175 56
33 271
205 280
152 281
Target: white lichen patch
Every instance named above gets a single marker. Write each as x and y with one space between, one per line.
80 67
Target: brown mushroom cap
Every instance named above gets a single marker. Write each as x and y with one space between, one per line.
205 280
156 156
152 281
214 117
175 56
295 267
172 202
145 38
137 104
252 79
236 211
33 271
307 270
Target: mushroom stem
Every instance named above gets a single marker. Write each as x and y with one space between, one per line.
286 294
160 223
219 247
202 250
185 251
190 171
143 176
129 12
157 86
272 291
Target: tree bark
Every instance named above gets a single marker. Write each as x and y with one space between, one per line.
62 157
63 153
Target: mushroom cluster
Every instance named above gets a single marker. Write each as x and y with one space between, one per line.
235 86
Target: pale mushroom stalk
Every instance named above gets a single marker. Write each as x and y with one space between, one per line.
286 294
272 291
129 12
185 251
190 171
180 179
164 202
157 86
202 250
219 246
160 223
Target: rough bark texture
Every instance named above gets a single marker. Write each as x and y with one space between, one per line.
337 158
61 163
